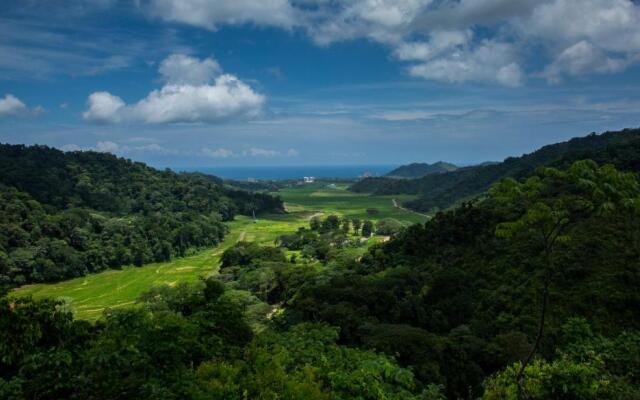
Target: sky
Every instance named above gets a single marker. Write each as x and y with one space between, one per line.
190 83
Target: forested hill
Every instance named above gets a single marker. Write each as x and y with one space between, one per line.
418 170
63 215
554 257
621 149
104 182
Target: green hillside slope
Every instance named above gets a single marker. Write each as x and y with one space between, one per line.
621 149
63 215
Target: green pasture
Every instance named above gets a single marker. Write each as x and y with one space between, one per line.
88 296
336 199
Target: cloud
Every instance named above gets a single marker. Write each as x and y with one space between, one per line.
385 21
37 110
449 40
210 14
613 25
395 116
589 36
440 41
259 152
153 148
582 58
192 93
71 147
490 61
216 153
40 46
104 107
179 69
107 147
115 148
11 105
573 38
464 14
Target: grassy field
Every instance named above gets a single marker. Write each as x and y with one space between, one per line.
336 199
90 295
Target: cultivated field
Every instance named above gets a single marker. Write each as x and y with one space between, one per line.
88 296
336 199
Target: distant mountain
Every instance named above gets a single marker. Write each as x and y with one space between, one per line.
438 191
418 170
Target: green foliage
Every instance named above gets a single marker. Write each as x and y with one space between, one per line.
588 367
146 352
457 303
247 253
388 226
63 215
306 363
446 308
367 228
187 342
373 211
357 224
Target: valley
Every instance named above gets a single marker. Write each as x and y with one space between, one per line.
90 295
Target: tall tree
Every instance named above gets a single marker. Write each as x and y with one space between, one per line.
544 221
357 224
367 228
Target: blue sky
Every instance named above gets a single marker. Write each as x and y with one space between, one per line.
292 82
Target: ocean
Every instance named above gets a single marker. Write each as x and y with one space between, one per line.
293 172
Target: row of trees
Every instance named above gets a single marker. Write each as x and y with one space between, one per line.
345 224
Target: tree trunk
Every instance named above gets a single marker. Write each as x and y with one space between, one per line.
522 394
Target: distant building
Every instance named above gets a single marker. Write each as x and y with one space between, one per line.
309 179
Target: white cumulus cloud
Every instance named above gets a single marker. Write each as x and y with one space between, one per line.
581 58
490 61
104 107
448 40
194 92
11 105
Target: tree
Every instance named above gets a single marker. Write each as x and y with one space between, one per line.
356 226
346 225
388 226
589 366
544 220
315 223
367 228
330 224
